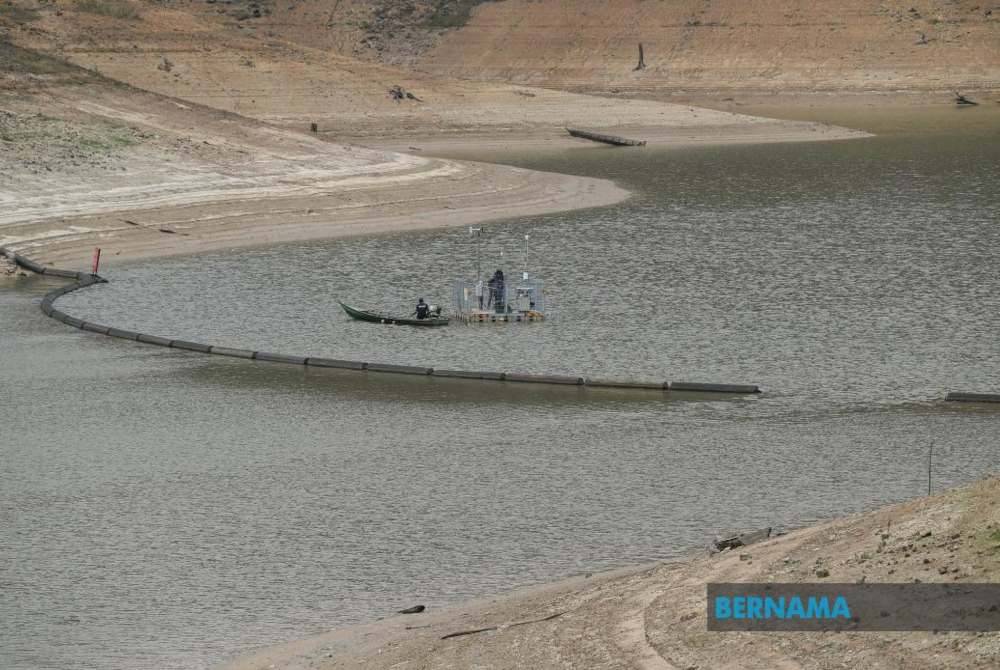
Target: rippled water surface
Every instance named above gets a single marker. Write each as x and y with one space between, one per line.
167 510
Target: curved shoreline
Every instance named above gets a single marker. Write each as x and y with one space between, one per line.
183 179
477 192
171 179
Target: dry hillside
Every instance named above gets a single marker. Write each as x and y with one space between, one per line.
739 45
285 64
689 45
295 58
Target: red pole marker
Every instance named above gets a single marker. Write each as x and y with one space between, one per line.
97 260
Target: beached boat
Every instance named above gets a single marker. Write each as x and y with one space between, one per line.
372 317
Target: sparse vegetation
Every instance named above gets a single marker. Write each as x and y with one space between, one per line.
398 31
44 143
117 9
452 13
17 60
107 144
17 13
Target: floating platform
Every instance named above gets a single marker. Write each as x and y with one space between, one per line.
477 316
514 301
605 139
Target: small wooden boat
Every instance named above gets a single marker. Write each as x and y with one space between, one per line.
372 317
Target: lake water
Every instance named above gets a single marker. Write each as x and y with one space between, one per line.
162 509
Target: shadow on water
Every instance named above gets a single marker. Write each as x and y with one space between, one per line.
370 386
329 384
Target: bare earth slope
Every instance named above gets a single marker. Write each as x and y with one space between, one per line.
208 145
653 618
87 162
778 46
273 69
728 45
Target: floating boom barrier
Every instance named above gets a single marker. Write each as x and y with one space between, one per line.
83 280
958 396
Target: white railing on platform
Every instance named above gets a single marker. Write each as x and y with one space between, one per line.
488 300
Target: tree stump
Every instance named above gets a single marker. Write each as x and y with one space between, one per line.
641 65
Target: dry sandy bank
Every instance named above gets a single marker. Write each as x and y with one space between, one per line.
787 45
141 175
276 74
653 617
663 136
91 163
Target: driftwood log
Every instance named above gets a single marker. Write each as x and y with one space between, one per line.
511 625
606 139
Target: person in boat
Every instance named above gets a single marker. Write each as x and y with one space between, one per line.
423 309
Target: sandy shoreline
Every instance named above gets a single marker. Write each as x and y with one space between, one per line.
227 185
179 191
160 232
89 162
373 639
656 137
653 616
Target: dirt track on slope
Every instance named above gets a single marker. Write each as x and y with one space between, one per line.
654 617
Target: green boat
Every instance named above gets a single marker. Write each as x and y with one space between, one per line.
372 317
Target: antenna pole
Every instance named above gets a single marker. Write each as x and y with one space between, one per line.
930 456
477 233
526 256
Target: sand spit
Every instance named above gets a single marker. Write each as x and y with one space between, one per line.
653 617
163 165
138 177
142 175
725 131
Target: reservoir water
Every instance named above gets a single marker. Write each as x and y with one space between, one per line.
162 509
